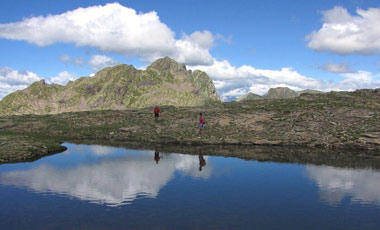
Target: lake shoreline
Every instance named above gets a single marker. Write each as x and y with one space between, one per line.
345 158
327 122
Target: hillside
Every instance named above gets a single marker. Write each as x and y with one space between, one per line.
164 82
276 93
337 121
249 97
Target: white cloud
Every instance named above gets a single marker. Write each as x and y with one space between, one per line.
15 77
194 49
116 29
359 80
98 62
62 78
6 89
224 70
192 53
338 68
12 80
234 93
232 82
344 33
204 39
111 28
67 59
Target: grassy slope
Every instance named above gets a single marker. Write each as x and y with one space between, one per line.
327 121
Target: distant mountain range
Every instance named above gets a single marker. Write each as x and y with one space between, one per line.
276 93
164 82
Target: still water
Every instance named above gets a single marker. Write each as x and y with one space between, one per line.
99 187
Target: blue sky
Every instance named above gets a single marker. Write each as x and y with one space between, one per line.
244 46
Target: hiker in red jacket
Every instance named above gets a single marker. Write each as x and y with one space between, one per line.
156 112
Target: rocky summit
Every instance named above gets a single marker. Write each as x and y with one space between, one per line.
164 82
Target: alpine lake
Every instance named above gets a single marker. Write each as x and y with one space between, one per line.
103 187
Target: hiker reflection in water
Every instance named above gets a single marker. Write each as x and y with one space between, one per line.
157 156
202 162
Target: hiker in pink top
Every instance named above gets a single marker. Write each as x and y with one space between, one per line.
201 124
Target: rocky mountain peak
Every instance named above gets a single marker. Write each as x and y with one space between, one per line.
277 93
168 65
165 82
249 96
281 93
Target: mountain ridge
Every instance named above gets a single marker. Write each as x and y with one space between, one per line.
164 82
276 93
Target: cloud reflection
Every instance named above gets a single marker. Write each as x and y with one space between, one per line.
335 184
113 181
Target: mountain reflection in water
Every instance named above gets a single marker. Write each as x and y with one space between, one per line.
106 179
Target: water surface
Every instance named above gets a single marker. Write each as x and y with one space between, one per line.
100 187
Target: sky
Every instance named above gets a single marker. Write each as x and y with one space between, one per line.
244 46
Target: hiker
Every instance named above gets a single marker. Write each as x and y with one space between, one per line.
156 112
157 156
201 124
